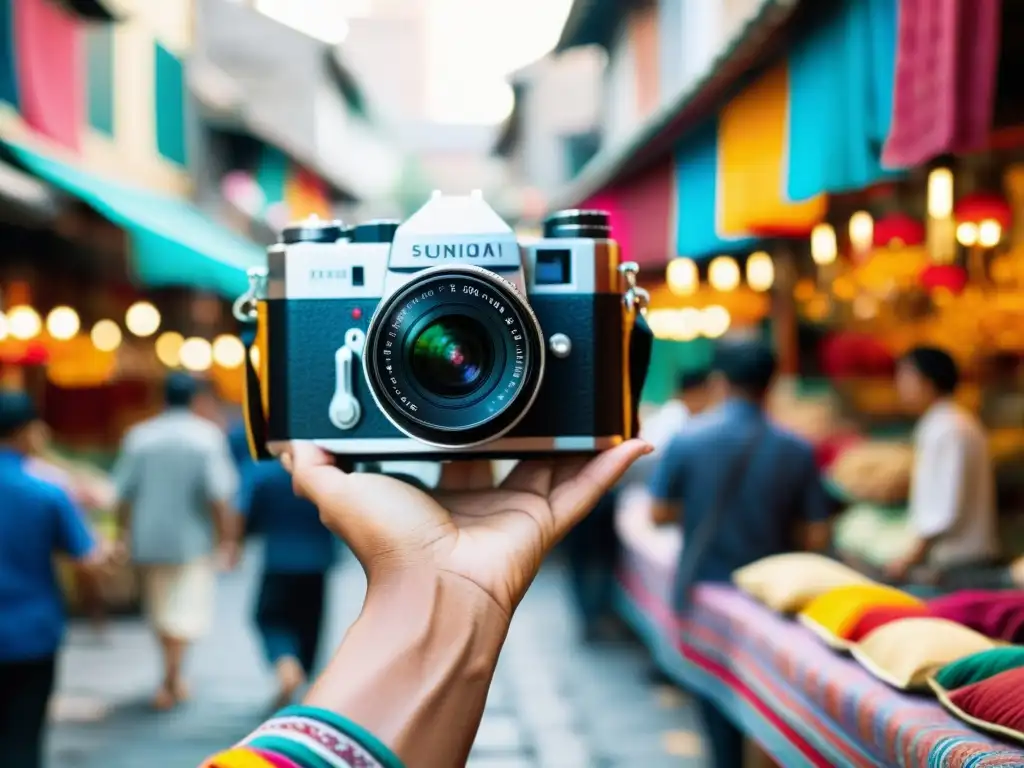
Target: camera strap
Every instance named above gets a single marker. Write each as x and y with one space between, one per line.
641 345
252 402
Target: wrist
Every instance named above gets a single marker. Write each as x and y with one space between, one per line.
415 667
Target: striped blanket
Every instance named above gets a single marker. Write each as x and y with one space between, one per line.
806 705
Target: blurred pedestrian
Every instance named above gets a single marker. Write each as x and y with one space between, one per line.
742 489
952 496
175 484
298 554
37 520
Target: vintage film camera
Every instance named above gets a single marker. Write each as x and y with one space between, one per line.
444 337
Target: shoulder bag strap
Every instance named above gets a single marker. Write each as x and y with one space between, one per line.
695 547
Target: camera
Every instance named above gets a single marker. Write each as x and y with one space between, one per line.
445 336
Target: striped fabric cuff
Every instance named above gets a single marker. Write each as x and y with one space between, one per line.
306 737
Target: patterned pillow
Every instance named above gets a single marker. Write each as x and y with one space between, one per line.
832 615
880 615
977 667
905 652
994 705
786 583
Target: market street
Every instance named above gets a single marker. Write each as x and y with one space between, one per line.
554 703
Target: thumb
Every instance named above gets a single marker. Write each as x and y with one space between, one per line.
572 499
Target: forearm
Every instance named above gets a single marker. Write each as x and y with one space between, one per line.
226 523
413 676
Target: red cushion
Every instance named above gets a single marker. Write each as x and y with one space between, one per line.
999 700
873 618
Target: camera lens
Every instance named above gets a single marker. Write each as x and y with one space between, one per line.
451 355
455 357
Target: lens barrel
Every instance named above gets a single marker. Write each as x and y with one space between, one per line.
455 357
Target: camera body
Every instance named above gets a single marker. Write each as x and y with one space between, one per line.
445 337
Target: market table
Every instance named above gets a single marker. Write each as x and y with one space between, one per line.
804 704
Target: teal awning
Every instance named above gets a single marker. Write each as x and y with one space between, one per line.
172 243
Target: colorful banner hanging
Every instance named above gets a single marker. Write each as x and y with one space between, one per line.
696 194
51 81
8 69
841 76
642 212
305 194
946 63
753 152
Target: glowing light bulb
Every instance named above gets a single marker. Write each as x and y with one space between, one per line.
723 273
168 348
228 351
63 323
715 321
940 193
142 319
681 276
23 323
760 271
106 335
989 233
823 244
196 354
967 233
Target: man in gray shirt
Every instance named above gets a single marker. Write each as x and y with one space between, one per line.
174 483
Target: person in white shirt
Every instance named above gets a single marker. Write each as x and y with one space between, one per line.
952 495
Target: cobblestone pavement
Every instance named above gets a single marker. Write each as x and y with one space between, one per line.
554 702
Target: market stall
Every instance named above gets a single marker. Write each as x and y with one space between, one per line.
802 702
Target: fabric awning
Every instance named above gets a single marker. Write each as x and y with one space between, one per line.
172 242
753 159
642 216
841 78
697 192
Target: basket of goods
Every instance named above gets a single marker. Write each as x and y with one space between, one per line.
872 472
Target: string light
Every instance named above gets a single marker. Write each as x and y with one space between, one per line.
681 276
862 231
63 323
228 351
967 233
168 348
3 326
823 244
106 336
760 271
23 323
723 273
142 319
989 233
715 321
196 354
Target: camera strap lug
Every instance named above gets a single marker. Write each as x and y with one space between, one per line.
641 338
636 298
344 408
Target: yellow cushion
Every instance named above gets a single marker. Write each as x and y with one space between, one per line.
905 652
832 615
786 583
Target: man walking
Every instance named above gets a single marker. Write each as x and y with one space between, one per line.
742 489
37 520
175 480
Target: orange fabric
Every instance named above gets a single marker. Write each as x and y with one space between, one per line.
643 34
753 162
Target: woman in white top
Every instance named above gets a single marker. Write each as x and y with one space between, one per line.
952 495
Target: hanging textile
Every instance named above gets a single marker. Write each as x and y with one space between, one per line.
641 213
8 70
169 99
272 174
753 152
841 77
946 62
99 65
696 195
51 85
305 194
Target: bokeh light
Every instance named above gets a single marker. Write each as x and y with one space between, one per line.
63 323
142 319
106 336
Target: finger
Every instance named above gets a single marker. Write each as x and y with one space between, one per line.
574 497
532 476
307 464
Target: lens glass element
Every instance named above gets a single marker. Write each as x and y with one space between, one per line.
451 356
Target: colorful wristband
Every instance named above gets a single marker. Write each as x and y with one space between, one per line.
353 734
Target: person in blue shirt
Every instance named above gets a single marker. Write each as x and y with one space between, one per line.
37 520
298 554
775 502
